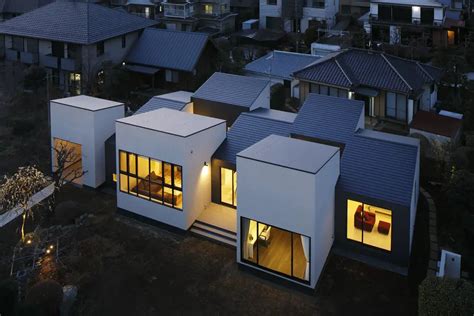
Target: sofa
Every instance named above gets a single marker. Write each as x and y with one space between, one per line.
364 220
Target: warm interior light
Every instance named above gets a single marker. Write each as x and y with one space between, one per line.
114 177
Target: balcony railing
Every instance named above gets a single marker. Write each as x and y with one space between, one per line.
178 10
49 61
70 64
406 21
29 58
12 55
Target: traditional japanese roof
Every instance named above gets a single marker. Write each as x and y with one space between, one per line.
436 124
74 22
231 89
168 49
353 68
21 6
280 64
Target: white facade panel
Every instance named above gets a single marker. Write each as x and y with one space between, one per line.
188 152
290 199
90 129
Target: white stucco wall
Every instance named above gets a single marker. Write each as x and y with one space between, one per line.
297 201
188 152
88 128
268 10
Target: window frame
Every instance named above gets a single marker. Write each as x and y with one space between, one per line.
234 200
257 265
362 231
396 107
128 174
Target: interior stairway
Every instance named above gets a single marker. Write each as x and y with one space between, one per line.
215 233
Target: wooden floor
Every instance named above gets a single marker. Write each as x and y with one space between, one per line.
277 256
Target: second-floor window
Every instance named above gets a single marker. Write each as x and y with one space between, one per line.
314 4
271 2
208 9
100 49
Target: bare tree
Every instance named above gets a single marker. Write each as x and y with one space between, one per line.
17 191
65 167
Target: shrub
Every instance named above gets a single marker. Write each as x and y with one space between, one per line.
444 296
22 127
460 190
45 297
8 297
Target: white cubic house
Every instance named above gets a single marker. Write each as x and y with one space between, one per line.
285 189
84 124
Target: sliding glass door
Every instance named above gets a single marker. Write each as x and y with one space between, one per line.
275 249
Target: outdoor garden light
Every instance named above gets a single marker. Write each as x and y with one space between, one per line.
28 241
48 251
51 247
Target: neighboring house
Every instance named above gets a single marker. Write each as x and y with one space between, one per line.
12 8
212 16
434 22
144 8
72 40
393 89
285 189
278 66
173 59
226 96
245 9
354 8
297 15
442 128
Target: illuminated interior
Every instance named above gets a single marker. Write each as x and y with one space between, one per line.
451 36
276 249
228 186
151 179
73 163
369 225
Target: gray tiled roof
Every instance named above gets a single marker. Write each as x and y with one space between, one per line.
379 169
373 165
168 49
247 130
156 103
357 67
329 118
231 89
74 22
280 64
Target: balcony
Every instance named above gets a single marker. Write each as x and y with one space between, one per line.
29 58
49 61
178 10
70 64
12 55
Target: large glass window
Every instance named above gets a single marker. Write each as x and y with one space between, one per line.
151 179
276 249
370 225
228 186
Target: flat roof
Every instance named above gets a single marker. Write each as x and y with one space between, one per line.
172 122
180 96
290 153
88 103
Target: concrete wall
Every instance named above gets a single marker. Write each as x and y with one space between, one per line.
90 129
189 152
264 197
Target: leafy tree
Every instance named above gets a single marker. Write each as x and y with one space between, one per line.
18 190
35 78
460 190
